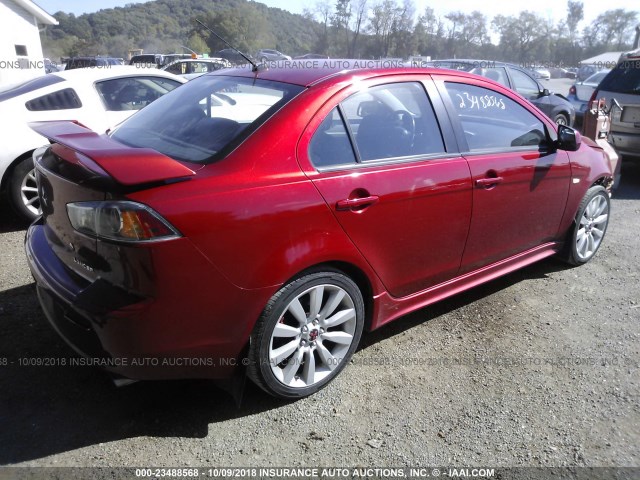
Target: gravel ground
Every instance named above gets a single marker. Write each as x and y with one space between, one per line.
538 368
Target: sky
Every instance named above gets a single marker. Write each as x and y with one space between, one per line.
554 9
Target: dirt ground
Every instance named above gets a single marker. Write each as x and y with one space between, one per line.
538 368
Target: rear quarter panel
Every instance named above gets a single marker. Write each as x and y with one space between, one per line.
254 214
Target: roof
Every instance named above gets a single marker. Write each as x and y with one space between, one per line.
308 72
604 60
92 74
42 16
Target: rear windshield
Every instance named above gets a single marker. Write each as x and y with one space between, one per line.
206 118
625 78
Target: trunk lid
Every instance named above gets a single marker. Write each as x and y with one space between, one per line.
82 166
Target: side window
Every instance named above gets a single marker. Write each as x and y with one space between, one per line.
493 121
497 74
133 93
199 67
394 120
176 68
524 84
330 145
61 100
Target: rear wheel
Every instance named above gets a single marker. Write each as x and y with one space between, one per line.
306 334
590 225
23 191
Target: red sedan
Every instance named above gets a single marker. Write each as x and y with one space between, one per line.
259 221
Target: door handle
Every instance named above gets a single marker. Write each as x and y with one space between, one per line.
487 182
356 203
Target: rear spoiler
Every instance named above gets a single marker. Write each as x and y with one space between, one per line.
126 165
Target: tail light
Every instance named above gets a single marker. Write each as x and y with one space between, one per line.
572 90
121 221
593 96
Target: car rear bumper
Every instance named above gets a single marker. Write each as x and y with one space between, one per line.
626 143
143 338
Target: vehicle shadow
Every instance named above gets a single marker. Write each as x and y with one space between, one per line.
537 270
9 221
629 188
51 409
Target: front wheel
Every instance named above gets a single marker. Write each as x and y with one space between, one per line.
590 225
561 119
23 191
306 335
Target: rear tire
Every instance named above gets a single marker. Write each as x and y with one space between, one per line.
589 226
23 191
306 335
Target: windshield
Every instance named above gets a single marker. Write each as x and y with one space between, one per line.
625 78
206 118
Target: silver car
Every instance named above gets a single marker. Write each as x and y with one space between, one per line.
623 84
270 55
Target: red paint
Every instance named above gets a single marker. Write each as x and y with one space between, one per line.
417 231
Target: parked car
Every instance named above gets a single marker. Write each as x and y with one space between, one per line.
232 56
152 60
270 55
559 72
623 84
557 107
267 218
91 62
585 71
97 98
581 92
541 73
572 72
192 68
312 56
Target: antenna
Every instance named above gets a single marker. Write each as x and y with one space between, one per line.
253 64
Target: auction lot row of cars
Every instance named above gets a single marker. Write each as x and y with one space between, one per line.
309 205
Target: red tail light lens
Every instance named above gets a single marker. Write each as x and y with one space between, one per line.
572 90
120 221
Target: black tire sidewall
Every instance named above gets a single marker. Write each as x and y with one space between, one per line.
259 367
565 117
19 171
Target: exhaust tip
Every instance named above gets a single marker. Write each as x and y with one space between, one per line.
122 382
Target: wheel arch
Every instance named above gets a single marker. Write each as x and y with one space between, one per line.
9 170
355 273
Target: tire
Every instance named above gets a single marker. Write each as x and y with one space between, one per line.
306 335
561 119
589 226
23 192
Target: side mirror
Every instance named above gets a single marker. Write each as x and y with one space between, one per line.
568 139
545 92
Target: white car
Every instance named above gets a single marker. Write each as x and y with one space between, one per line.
98 98
191 68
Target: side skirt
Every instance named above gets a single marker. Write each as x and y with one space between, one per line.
388 308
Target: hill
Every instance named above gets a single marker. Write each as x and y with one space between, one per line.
164 26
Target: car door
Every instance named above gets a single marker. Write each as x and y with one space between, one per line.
520 182
389 170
